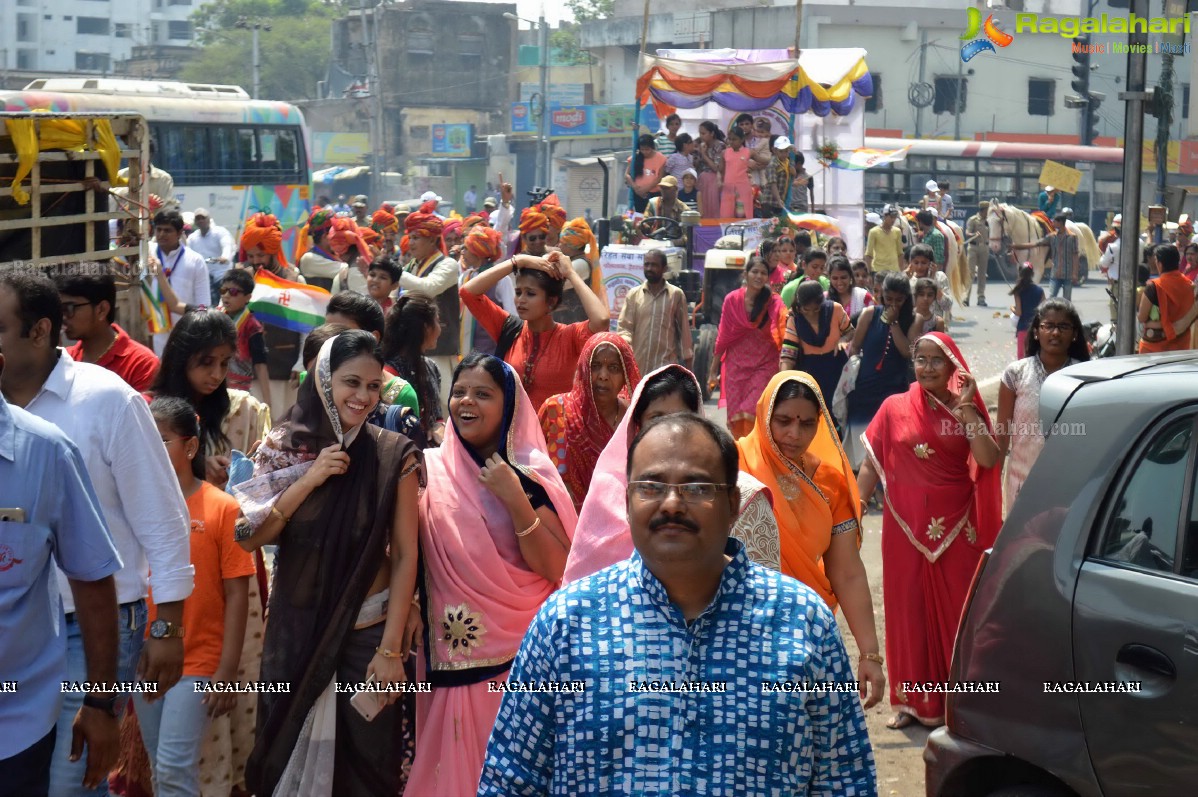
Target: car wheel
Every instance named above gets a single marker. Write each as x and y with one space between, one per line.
705 358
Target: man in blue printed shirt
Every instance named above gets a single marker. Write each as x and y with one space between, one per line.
49 514
704 673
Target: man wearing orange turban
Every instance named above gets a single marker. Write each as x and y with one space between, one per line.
434 274
262 246
481 249
556 215
578 243
534 232
385 223
469 222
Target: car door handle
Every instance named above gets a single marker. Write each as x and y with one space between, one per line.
1143 657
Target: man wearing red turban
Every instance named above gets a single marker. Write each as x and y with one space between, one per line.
556 214
434 274
534 232
319 264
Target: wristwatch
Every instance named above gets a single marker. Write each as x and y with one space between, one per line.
101 703
161 629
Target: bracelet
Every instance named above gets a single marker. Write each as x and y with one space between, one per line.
274 510
388 654
873 657
536 524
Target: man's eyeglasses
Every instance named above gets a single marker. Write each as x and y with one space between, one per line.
536 238
69 308
935 363
231 292
692 493
1062 328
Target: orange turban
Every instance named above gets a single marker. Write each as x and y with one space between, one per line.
404 244
344 234
578 234
553 211
532 220
469 222
485 242
369 236
384 221
264 230
425 223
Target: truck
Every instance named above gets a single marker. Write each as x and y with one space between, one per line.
59 192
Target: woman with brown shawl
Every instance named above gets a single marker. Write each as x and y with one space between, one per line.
335 493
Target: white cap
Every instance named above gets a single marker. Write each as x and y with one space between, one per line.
931 186
429 196
1118 219
1049 188
692 173
873 218
200 212
782 142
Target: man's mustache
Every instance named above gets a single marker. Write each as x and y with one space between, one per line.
665 520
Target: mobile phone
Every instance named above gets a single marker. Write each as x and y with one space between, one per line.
368 704
12 514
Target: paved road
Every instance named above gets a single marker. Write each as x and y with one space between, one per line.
987 340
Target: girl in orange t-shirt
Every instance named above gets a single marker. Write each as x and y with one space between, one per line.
214 615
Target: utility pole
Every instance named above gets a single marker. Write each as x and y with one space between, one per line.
543 165
254 25
923 69
1133 157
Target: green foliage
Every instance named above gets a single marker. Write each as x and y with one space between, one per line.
213 18
566 48
590 10
293 54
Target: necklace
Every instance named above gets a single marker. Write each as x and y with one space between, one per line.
106 350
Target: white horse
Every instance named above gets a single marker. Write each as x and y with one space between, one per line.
956 266
1010 225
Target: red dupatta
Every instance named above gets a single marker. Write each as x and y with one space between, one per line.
587 432
922 456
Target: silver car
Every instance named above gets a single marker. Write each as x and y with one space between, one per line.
1086 608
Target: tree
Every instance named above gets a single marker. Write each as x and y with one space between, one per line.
591 10
565 42
293 55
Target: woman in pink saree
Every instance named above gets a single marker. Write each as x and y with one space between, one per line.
933 450
752 326
495 529
603 538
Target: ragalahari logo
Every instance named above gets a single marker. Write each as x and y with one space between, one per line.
993 35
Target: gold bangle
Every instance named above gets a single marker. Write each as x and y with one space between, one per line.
388 654
536 524
873 657
274 510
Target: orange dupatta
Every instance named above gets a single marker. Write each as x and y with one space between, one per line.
1175 297
803 508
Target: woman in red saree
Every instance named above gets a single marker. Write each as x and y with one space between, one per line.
495 530
933 450
579 424
752 325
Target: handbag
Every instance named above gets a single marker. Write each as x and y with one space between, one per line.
846 385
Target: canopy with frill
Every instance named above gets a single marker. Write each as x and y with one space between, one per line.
819 82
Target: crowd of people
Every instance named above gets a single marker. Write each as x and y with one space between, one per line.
481 498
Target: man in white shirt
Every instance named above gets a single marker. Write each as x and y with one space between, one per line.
137 490
470 199
213 243
184 268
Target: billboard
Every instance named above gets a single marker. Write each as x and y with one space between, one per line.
453 141
584 121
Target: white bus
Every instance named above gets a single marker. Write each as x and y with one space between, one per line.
226 152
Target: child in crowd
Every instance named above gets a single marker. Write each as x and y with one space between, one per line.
249 360
919 261
815 262
926 320
381 281
1028 296
689 193
862 277
214 615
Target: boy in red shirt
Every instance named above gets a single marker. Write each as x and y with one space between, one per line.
249 361
88 315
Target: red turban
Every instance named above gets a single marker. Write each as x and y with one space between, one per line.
345 234
453 227
485 242
384 221
264 230
532 220
553 211
424 223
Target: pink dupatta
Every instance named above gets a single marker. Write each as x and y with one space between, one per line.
480 596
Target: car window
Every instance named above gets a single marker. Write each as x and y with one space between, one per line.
1189 555
1143 528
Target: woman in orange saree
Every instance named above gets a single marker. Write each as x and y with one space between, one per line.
794 450
933 450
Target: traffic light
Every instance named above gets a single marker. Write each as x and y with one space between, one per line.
1081 65
1091 119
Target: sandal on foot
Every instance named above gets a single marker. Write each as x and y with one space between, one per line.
900 721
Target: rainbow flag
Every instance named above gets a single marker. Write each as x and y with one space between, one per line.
153 311
290 305
867 158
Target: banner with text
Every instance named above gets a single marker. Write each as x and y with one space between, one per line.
584 121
